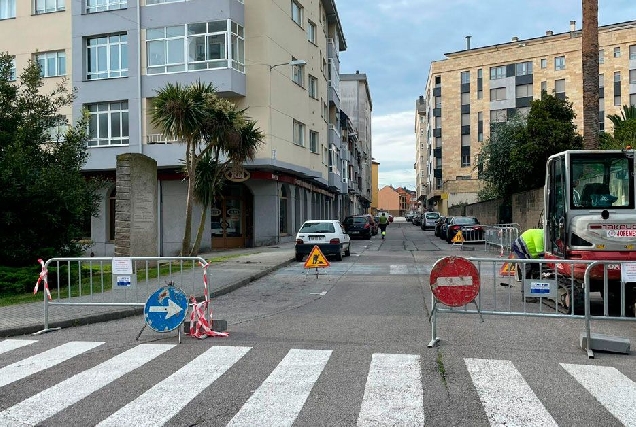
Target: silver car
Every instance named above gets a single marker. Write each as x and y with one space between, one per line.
428 222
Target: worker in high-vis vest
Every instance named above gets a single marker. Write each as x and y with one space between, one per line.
529 245
384 221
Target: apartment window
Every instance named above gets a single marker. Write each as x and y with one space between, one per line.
438 122
51 63
311 32
479 73
524 91
465 76
498 116
544 63
297 12
617 100
632 76
438 142
93 6
47 6
523 111
298 72
58 130
544 86
498 94
438 101
13 73
559 63
7 9
497 72
617 52
601 56
107 57
299 133
617 76
465 98
313 141
438 81
465 156
632 99
601 80
559 86
108 124
480 94
465 140
465 119
524 68
632 51
312 86
194 47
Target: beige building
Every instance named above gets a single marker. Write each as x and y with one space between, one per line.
472 88
375 170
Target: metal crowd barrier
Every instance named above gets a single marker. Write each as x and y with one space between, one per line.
117 281
500 236
503 291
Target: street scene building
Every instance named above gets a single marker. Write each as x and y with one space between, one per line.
279 60
471 89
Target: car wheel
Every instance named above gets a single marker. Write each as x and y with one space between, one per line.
348 251
299 257
339 255
368 237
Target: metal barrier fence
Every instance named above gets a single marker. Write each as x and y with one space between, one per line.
500 236
508 288
117 282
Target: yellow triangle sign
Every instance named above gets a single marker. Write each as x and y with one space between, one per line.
316 259
458 238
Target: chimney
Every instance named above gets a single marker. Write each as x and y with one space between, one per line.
515 39
468 42
572 26
549 33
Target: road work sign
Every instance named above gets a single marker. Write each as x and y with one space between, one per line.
458 238
454 281
166 309
316 259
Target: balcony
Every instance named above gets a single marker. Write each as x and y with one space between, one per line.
159 138
334 136
334 180
334 83
332 51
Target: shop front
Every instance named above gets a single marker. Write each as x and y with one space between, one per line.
231 218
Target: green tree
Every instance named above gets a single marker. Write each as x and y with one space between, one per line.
46 201
624 129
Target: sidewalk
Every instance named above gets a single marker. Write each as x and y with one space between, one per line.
243 266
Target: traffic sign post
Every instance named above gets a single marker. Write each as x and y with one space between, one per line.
166 309
316 259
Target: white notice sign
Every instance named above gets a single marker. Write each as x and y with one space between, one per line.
122 266
628 272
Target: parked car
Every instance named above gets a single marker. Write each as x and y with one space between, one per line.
327 234
409 216
438 225
469 226
429 219
444 227
417 219
358 226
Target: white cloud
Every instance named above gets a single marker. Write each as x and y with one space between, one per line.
394 148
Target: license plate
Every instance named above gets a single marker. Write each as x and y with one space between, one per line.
315 237
353 232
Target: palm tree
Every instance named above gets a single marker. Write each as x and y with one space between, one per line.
589 50
178 113
628 113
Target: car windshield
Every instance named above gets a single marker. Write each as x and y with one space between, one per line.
432 215
601 181
318 227
465 221
356 220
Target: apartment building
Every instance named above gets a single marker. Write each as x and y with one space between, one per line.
279 59
473 88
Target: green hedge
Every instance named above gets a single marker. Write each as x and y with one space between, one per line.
20 280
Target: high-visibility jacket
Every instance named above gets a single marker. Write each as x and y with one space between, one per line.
384 220
533 240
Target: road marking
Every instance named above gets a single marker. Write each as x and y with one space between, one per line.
8 345
393 394
163 401
47 403
615 391
282 395
44 360
398 269
506 396
323 293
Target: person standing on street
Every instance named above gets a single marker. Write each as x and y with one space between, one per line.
384 221
529 246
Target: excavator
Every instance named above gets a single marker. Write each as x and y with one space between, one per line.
590 215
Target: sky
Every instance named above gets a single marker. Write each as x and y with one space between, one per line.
394 42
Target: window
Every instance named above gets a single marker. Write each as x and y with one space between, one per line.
524 91
601 56
107 57
524 68
196 46
58 130
312 86
438 102
498 116
617 52
313 141
13 73
108 124
465 76
51 63
632 99
438 81
632 76
632 51
497 72
465 98
544 63
7 9
438 142
559 63
617 100
465 140
299 133
46 6
498 94
438 122
282 211
559 86
465 156
298 72
601 80
311 32
617 76
297 12
465 119
544 86
479 73
93 6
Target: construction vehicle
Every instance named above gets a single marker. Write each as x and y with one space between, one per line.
590 214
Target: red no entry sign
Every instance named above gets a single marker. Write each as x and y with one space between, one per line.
454 281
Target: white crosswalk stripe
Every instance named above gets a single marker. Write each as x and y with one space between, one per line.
159 404
45 360
32 411
393 395
506 396
8 345
610 387
282 395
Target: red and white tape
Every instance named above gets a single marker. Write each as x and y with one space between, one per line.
199 325
43 278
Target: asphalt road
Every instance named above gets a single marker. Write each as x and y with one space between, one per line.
346 348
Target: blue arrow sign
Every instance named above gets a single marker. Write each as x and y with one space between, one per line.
166 309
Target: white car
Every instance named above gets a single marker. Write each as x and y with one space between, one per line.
327 234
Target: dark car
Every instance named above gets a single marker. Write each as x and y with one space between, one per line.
438 225
417 219
444 227
359 226
469 226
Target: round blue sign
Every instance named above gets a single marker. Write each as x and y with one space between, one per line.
166 309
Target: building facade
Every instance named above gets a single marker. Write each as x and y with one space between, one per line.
389 200
476 87
279 59
375 176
